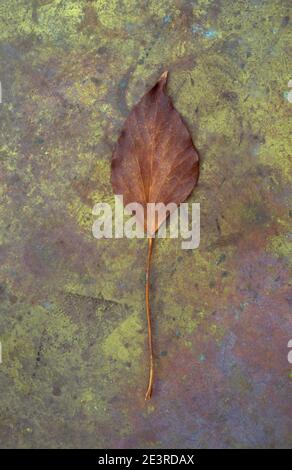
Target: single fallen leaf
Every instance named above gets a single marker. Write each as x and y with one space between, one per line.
154 162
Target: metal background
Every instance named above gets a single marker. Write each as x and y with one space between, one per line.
73 326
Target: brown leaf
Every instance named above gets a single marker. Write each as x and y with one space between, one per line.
155 159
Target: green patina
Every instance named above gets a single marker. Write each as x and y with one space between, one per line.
73 325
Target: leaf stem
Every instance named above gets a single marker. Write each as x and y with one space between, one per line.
148 313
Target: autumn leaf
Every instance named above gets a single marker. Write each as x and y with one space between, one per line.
154 162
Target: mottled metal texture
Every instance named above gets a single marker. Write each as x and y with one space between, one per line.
73 326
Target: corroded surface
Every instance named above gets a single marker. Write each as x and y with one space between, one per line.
73 326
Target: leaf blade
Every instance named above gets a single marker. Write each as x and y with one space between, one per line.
155 159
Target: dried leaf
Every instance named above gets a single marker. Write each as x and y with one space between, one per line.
154 161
